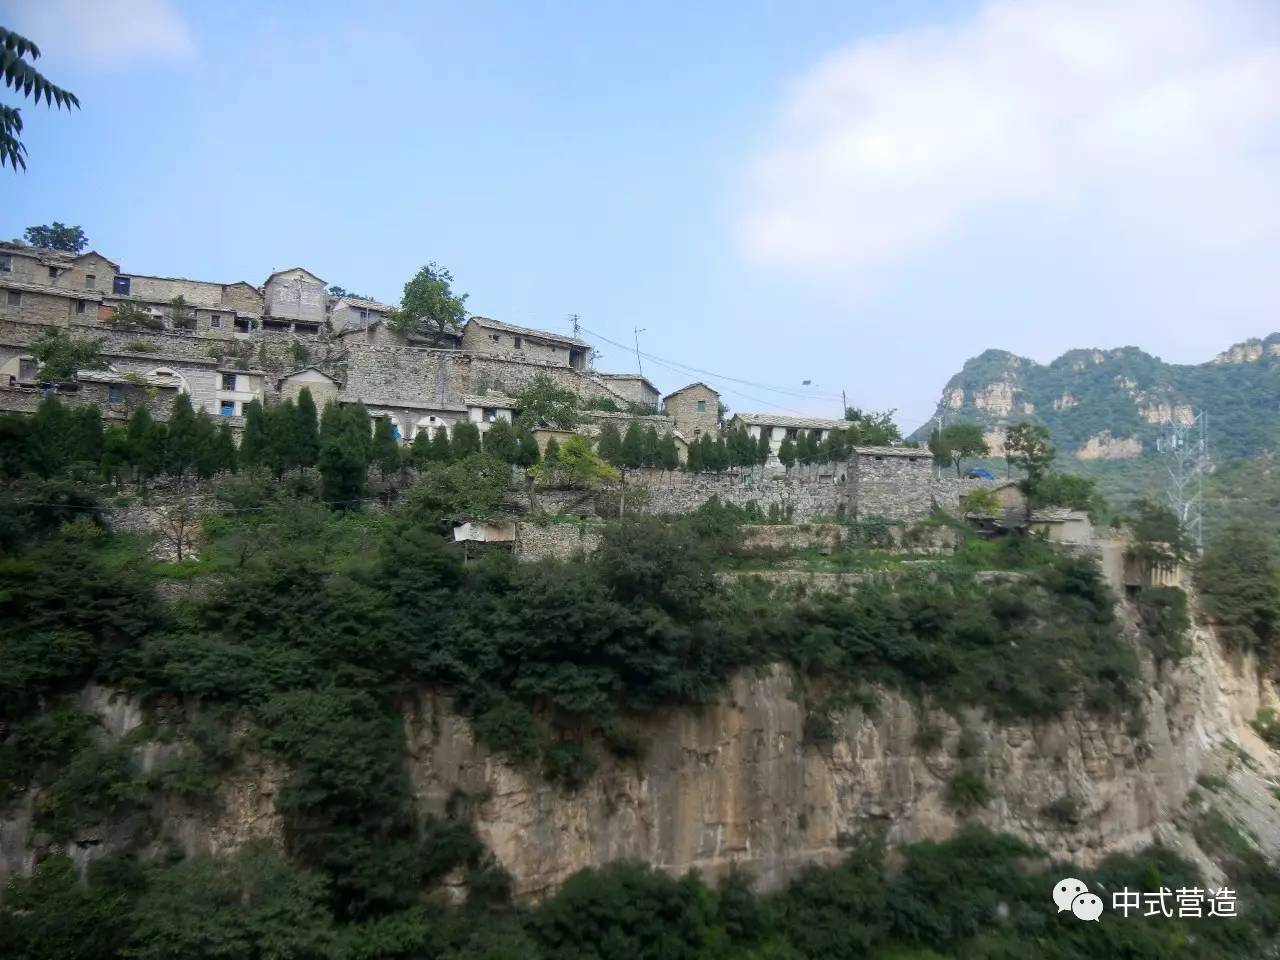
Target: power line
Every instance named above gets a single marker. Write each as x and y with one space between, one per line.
1186 453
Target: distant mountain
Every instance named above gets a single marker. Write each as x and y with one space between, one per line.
1114 404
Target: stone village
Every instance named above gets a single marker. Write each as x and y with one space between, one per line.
228 344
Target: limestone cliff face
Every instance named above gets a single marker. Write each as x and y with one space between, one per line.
734 783
1104 446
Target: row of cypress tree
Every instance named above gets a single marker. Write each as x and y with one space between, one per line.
640 447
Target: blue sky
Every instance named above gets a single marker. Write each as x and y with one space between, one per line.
859 195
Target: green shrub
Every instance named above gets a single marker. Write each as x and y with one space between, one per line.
1267 725
1065 810
1165 621
966 791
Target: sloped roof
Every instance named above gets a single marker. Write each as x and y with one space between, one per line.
360 304
629 376
496 400
277 273
293 373
527 331
690 386
790 422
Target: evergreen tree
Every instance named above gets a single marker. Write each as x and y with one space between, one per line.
146 445
15 435
721 449
281 452
441 447
115 454
551 455
420 449
707 453
183 448
500 441
225 453
693 459
87 426
668 453
787 453
651 446
528 454
763 446
466 440
804 450
609 446
345 448
253 442
306 441
51 440
633 446
386 451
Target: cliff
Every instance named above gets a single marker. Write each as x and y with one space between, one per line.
736 784
1113 404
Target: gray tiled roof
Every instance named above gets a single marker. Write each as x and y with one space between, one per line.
790 422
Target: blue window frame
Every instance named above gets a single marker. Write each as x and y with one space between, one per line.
228 408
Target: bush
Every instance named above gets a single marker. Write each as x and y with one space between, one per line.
1165 620
966 791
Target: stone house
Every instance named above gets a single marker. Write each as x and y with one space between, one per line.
483 335
295 300
376 333
634 387
74 273
47 306
778 427
895 483
323 387
353 313
235 388
484 410
695 409
222 310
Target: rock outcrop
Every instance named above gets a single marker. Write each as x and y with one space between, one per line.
734 784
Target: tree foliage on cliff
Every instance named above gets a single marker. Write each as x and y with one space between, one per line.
429 305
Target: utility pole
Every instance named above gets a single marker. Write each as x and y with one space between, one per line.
573 319
1186 453
844 404
638 331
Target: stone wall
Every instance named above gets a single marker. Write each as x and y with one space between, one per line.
556 541
18 400
801 498
37 307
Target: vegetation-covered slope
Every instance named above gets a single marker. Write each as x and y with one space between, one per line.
1125 392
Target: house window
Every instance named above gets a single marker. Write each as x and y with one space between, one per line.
15 298
242 326
120 285
495 338
702 406
114 394
53 273
228 381
82 306
6 263
518 342
364 314
90 281
215 321
227 408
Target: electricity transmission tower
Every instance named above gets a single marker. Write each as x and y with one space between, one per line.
1185 449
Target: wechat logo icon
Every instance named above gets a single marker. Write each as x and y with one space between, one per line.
1071 894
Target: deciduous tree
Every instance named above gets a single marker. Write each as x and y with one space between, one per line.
429 304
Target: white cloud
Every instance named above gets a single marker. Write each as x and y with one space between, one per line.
1152 126
104 32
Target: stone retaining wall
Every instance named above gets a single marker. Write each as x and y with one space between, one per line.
556 541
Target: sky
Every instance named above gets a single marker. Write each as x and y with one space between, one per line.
858 196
